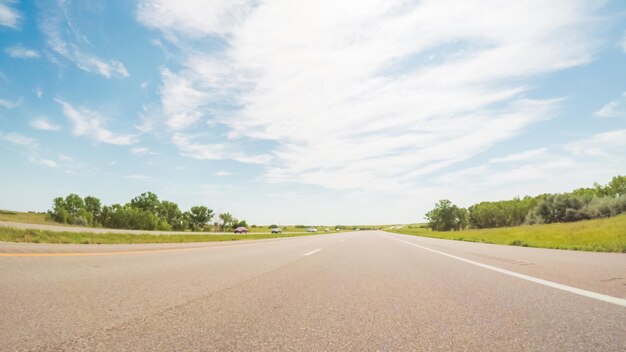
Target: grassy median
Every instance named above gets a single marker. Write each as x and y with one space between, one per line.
41 236
599 235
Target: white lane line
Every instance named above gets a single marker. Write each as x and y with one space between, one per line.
575 290
313 251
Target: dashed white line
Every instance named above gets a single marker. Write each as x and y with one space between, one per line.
574 290
313 252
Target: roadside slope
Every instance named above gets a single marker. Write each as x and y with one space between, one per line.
598 235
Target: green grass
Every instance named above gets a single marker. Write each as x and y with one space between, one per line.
29 218
599 235
41 236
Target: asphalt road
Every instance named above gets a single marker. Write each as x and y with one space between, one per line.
354 291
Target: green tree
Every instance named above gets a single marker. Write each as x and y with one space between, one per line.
170 212
199 216
59 212
446 217
147 201
94 208
74 204
617 186
226 221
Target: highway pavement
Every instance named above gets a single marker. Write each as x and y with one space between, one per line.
357 291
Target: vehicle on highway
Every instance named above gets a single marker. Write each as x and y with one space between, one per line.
241 230
311 229
276 230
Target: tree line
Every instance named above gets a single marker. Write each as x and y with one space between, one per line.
144 212
581 204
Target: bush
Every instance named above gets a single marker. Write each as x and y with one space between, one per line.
447 216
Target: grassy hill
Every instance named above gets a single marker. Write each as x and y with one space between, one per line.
600 235
28 218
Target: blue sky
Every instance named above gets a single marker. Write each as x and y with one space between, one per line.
318 112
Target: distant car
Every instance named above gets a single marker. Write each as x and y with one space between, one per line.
327 229
358 229
276 230
311 229
241 230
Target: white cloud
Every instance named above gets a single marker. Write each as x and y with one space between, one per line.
141 151
36 154
21 52
47 162
612 109
222 173
364 94
43 124
9 17
193 17
602 144
181 101
56 26
608 110
202 151
19 139
577 163
523 156
90 123
38 92
8 104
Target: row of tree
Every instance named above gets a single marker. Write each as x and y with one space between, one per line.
580 204
144 212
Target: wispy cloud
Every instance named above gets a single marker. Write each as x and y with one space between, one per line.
581 162
30 145
46 162
623 43
362 95
55 26
613 108
9 17
602 144
21 52
19 139
222 173
523 156
36 154
193 18
87 122
141 151
216 151
9 104
42 123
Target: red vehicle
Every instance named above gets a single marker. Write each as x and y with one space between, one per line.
241 230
